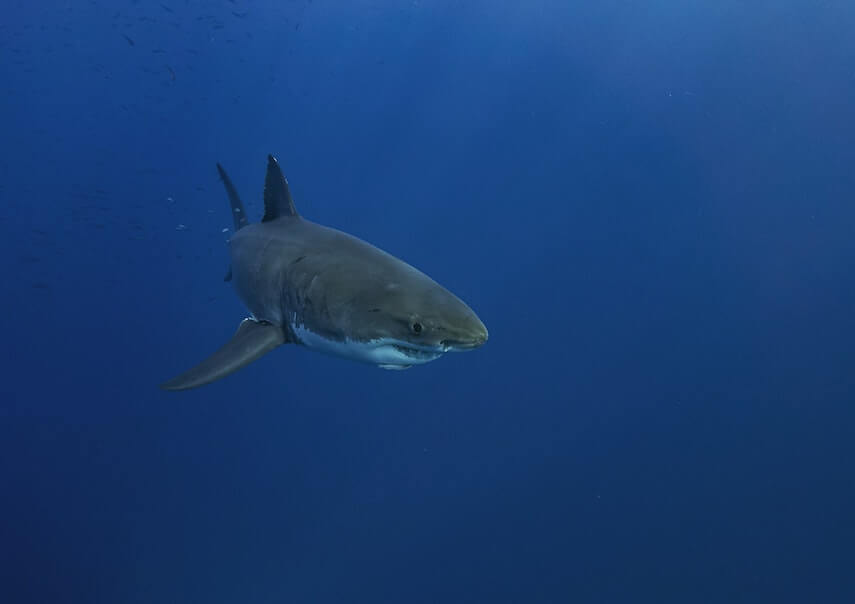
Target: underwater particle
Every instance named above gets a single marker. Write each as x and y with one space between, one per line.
225 230
181 227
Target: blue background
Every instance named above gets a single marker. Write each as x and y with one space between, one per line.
650 205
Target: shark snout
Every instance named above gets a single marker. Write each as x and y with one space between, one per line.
474 336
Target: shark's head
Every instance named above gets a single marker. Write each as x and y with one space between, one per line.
415 322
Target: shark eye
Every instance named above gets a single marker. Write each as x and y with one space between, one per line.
417 328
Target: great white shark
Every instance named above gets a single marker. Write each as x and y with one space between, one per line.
314 286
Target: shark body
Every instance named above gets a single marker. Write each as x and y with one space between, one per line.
314 286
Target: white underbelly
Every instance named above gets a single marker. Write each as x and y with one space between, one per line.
384 354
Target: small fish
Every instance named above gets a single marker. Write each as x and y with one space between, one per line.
171 73
129 39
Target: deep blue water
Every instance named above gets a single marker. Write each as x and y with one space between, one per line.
650 204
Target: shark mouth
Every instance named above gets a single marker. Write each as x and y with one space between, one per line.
420 355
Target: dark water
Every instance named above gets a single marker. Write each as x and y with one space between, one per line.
650 205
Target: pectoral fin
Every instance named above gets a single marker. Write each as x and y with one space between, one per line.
252 340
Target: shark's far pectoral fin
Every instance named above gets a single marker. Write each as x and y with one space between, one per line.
252 340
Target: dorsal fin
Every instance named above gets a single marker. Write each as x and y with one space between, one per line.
277 197
238 212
